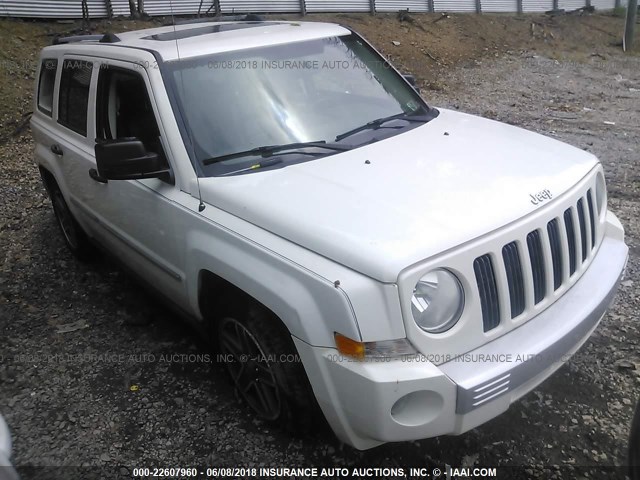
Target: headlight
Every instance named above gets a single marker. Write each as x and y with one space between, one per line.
601 194
437 301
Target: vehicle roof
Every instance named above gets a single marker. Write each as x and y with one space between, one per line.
196 39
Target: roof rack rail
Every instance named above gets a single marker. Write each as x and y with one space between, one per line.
249 17
106 38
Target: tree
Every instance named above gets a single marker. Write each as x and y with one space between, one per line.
136 8
630 26
85 14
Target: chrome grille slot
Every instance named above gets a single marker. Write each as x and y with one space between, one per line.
556 252
591 219
513 268
571 239
583 229
537 265
486 280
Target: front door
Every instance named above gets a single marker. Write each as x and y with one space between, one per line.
135 219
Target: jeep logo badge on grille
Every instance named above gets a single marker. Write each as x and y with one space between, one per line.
541 197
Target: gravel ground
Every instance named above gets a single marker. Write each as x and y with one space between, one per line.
68 411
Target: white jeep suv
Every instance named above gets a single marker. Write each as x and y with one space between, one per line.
411 271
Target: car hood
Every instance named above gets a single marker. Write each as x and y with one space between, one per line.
385 206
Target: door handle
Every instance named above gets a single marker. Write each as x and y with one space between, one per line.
56 149
93 173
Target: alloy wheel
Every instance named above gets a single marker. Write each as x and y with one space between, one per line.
250 368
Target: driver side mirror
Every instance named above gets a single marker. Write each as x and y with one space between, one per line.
127 159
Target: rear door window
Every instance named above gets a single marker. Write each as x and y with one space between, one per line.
46 84
73 100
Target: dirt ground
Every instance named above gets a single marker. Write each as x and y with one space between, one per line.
563 77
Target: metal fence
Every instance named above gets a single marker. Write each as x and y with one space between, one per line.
108 8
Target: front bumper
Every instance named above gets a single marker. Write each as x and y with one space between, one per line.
371 402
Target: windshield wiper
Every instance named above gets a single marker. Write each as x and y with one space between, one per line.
264 164
377 123
268 150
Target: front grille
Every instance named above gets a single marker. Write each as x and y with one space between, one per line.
548 250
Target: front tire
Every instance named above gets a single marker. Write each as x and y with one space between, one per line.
265 369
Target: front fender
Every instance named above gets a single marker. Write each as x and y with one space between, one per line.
311 307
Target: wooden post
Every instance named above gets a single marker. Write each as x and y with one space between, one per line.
630 26
520 9
555 4
303 8
372 6
478 6
85 13
109 6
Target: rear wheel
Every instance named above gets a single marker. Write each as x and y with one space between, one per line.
634 445
265 370
74 237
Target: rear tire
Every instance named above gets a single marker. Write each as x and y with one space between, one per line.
74 237
265 369
634 445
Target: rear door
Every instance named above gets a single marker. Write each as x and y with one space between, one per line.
60 121
42 121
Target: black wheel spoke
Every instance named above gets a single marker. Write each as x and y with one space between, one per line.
267 398
244 380
232 345
250 370
264 373
248 343
236 369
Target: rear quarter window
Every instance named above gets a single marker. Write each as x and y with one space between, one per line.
45 85
73 100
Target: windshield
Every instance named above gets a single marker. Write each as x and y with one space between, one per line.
237 106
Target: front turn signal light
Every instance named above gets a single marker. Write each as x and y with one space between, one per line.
349 347
383 349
